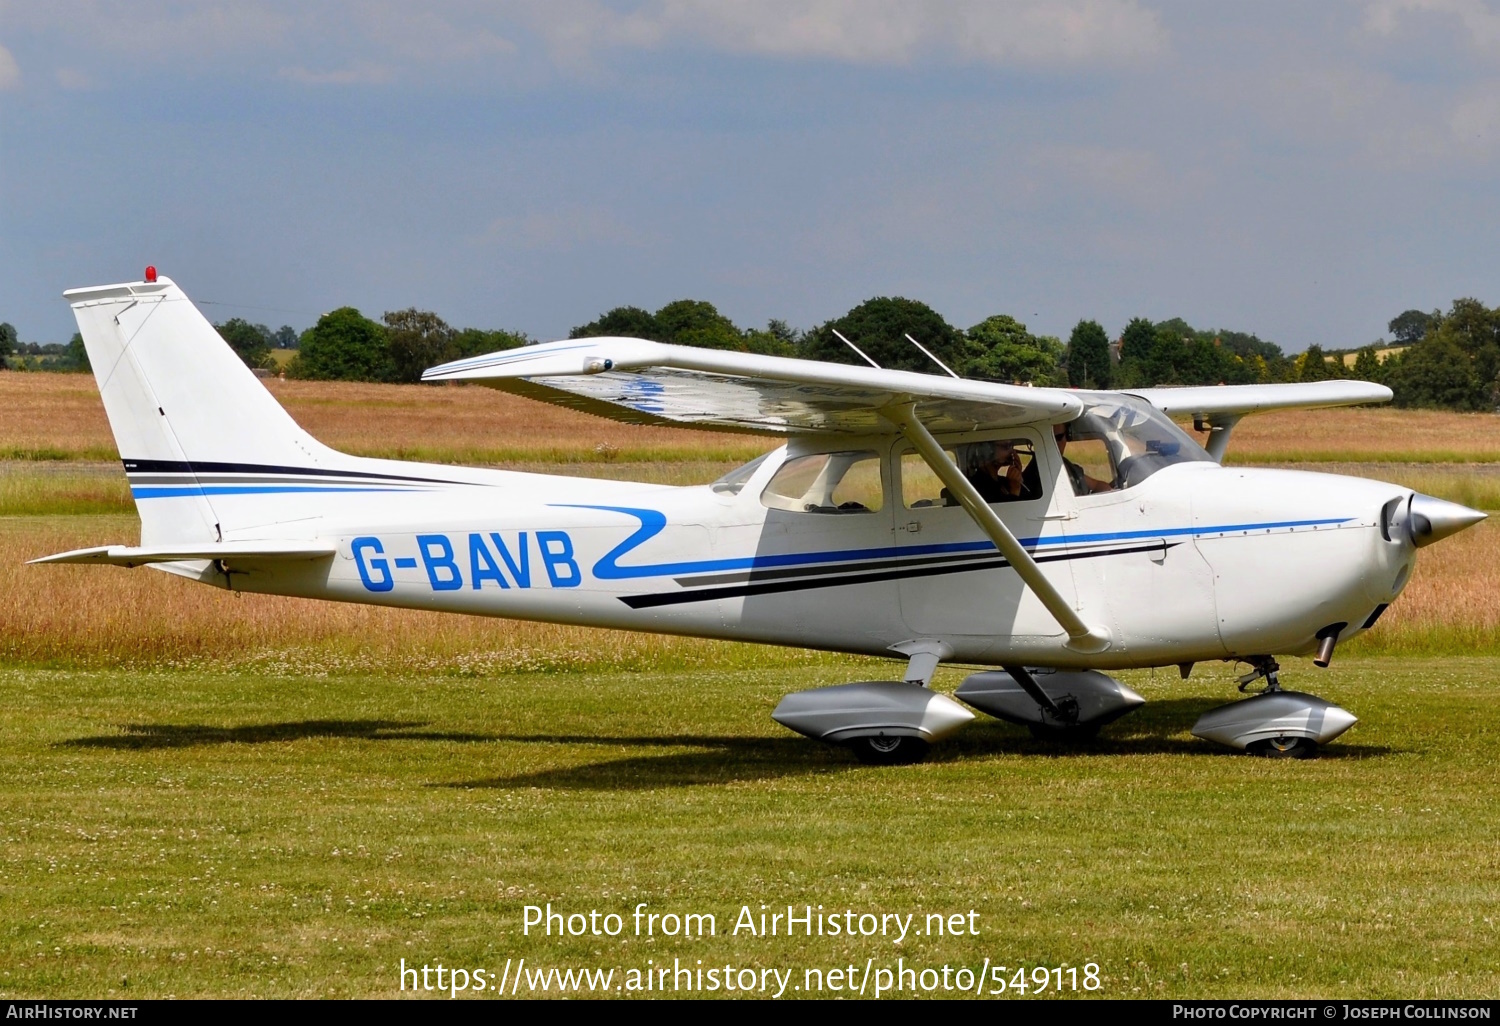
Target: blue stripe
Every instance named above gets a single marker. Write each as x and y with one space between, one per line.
152 492
653 522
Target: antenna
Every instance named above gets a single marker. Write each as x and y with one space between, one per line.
931 357
858 350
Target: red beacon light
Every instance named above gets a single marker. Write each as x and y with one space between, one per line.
150 273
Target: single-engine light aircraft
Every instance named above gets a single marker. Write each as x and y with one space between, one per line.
1049 534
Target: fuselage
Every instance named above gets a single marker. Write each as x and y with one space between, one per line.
1196 562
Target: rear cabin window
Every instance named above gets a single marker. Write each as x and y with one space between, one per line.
828 482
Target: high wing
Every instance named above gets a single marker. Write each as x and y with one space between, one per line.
1217 408
644 382
1217 401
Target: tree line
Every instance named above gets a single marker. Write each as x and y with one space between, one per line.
1444 360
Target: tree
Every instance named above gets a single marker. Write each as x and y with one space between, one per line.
778 339
1411 327
76 357
1000 348
285 337
1367 366
474 342
343 345
1089 364
8 342
879 326
1475 329
1136 344
250 342
693 322
626 321
1313 365
417 339
1437 372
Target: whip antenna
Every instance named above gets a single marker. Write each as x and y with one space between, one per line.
930 356
856 348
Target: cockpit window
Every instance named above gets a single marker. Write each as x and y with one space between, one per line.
734 482
1138 439
828 482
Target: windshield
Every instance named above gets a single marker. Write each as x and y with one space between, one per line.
1140 439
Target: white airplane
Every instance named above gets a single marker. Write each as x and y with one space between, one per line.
919 515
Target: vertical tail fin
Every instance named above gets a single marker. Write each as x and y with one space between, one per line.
183 408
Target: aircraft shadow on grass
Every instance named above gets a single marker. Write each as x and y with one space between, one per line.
728 759
138 736
707 759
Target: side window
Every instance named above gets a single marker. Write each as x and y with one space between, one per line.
1088 459
830 482
920 487
1000 469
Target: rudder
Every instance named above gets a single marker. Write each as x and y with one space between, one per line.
180 403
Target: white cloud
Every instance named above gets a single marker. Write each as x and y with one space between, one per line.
357 34
1027 32
10 71
1475 123
1481 25
73 79
362 75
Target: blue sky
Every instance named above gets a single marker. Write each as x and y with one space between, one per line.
1301 170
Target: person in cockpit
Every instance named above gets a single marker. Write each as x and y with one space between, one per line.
997 473
1082 483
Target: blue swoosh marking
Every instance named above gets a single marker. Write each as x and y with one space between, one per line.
653 522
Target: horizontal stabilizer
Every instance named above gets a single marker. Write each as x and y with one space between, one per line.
244 551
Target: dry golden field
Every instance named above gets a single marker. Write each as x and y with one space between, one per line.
110 617
59 416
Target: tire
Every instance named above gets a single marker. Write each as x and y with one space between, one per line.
1284 748
889 751
1063 735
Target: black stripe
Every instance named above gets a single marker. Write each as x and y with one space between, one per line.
812 571
674 598
183 467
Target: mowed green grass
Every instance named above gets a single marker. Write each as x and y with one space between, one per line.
197 833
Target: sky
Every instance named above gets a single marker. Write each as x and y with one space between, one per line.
1303 171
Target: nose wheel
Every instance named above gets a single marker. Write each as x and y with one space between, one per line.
1284 748
889 751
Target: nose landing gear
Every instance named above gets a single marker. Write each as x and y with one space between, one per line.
1275 724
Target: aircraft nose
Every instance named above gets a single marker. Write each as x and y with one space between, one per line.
1430 519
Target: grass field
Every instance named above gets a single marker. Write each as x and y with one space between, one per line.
211 833
206 794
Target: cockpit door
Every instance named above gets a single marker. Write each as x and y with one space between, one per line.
952 580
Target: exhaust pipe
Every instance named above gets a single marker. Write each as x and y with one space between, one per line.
1328 637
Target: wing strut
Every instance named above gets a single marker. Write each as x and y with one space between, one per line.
1081 637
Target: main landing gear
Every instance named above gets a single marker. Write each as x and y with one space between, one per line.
1275 724
889 722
